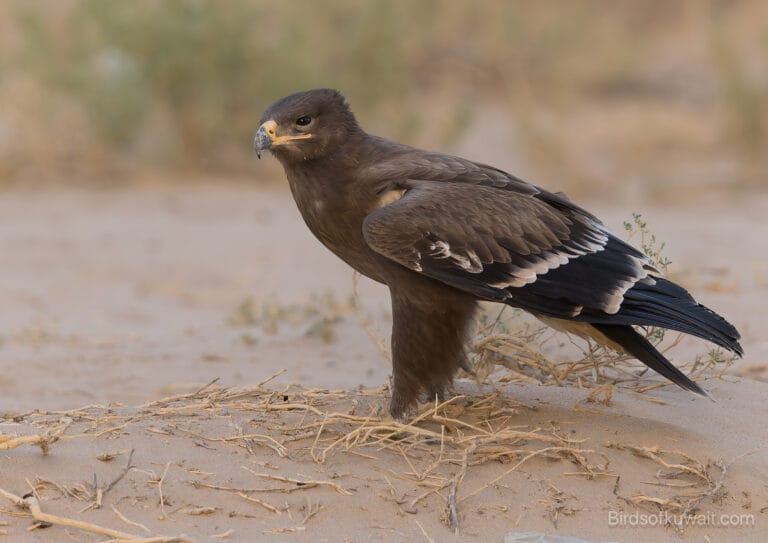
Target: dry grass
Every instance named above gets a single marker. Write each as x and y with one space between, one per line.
444 446
684 483
31 503
519 351
438 447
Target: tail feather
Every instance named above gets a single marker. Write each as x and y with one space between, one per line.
668 305
639 347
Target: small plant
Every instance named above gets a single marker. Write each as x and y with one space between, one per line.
320 315
652 248
244 314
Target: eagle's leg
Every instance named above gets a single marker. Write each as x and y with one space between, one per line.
430 331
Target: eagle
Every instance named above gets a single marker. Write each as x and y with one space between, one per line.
444 233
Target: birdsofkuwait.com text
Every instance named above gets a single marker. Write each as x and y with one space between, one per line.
664 518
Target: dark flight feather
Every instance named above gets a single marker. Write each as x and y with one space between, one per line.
668 305
639 347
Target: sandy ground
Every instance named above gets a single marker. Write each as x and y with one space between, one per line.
129 295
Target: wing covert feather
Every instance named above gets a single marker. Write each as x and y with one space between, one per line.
506 245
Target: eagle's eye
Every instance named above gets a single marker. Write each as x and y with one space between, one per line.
304 120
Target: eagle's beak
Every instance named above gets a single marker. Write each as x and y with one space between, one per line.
266 137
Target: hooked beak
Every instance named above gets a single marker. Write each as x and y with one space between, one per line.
266 138
263 141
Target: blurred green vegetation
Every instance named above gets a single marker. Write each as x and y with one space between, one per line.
180 84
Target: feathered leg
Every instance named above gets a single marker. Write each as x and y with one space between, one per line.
430 331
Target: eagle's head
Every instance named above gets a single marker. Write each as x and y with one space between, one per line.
306 125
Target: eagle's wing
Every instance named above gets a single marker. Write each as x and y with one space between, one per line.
508 245
408 164
486 232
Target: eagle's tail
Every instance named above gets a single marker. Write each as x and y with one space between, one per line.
664 304
639 347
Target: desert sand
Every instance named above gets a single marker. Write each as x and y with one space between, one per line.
143 319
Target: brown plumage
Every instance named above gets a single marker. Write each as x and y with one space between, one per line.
443 232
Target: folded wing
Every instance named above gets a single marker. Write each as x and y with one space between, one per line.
505 245
501 239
